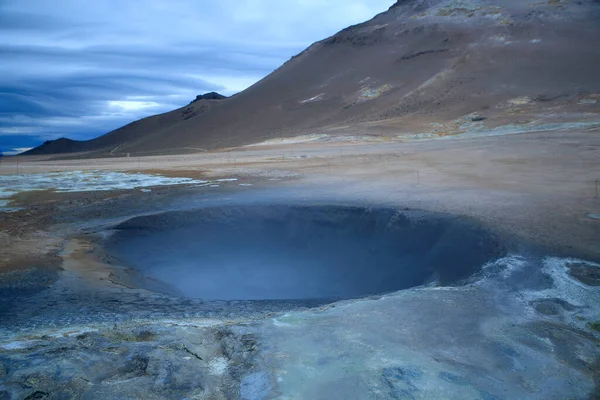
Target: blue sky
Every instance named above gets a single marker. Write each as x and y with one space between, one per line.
80 68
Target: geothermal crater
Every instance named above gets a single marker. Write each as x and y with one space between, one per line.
280 252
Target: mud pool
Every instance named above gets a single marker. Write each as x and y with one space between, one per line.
196 293
279 252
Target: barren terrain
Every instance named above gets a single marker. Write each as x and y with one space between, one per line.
434 131
537 190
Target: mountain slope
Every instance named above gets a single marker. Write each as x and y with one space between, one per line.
135 132
432 67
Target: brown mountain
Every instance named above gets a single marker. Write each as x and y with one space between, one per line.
434 67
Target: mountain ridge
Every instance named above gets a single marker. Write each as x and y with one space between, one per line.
424 67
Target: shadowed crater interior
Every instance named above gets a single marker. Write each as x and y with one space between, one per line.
299 252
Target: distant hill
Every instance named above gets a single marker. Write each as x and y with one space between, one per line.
134 132
209 96
425 66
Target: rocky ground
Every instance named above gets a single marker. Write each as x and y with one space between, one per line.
73 326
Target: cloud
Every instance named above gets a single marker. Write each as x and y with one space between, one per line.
16 150
23 21
81 69
7 143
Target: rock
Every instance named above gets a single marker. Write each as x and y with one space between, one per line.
586 274
255 386
164 378
400 381
209 96
135 366
38 394
418 4
552 306
454 379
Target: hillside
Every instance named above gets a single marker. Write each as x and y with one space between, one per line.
427 67
135 132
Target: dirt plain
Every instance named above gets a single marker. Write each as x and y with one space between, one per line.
539 185
539 189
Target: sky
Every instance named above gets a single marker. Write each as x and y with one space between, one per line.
79 69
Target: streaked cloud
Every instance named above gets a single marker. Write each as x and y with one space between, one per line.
80 69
